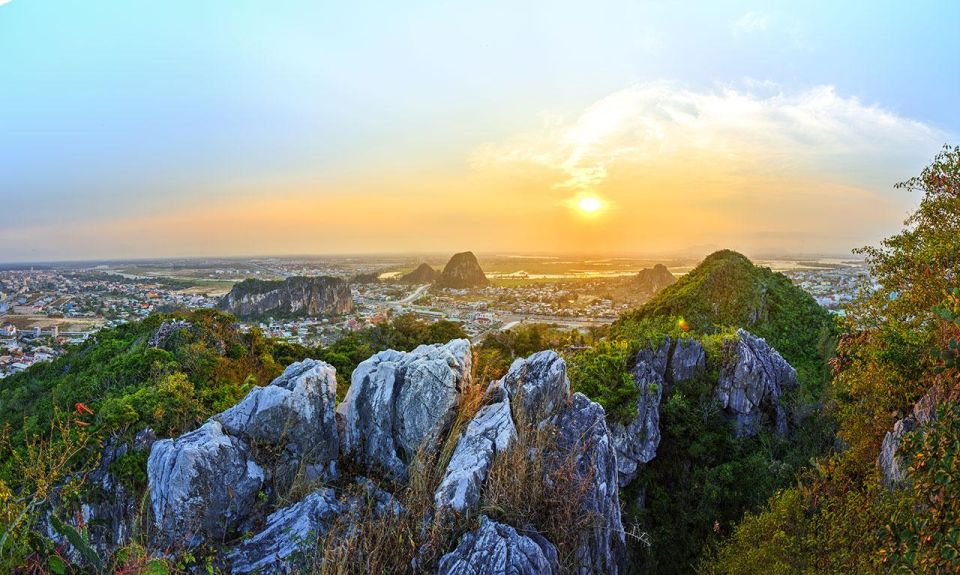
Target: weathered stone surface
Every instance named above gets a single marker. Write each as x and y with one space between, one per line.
686 361
296 412
752 384
489 432
538 386
583 434
398 402
201 484
292 297
636 442
498 549
289 533
657 357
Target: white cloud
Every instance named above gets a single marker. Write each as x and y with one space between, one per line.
2 2
751 22
808 132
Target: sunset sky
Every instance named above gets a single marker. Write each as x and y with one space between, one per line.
143 129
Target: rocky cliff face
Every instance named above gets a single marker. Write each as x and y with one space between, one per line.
751 385
424 274
462 271
652 280
292 297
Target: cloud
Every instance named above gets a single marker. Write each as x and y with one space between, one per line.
738 130
729 158
2 2
751 22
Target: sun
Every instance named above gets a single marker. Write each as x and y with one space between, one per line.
590 204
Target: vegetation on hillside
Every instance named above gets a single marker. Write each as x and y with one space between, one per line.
704 477
899 342
169 372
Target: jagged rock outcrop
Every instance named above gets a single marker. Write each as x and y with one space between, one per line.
398 402
205 483
636 442
537 386
202 484
424 274
498 549
295 413
652 280
583 434
924 412
489 432
657 357
462 271
687 360
293 297
751 384
291 533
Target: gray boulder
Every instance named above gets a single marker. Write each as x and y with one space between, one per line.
489 432
752 384
636 442
582 434
290 532
296 412
537 386
498 549
398 402
202 484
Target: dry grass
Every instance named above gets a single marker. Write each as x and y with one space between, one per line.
533 484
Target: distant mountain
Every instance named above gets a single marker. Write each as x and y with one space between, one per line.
462 271
654 279
424 274
292 297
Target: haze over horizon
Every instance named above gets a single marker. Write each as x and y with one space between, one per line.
215 129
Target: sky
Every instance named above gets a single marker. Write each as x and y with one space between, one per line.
136 129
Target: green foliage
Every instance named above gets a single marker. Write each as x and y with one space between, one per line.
602 373
78 539
899 343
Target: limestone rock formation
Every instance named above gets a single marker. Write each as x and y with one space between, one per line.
652 280
201 484
498 549
424 274
636 442
296 412
398 402
289 531
293 297
462 271
538 386
751 385
489 432
687 360
583 434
